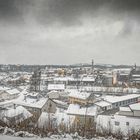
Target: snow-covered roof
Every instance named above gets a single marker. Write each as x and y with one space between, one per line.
88 79
52 92
135 106
75 109
33 103
13 91
74 79
136 75
125 109
34 94
64 79
56 87
103 103
19 114
60 102
3 88
80 95
114 99
18 110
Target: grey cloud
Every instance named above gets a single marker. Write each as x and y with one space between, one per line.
66 12
37 35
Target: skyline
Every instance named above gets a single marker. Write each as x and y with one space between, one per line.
69 31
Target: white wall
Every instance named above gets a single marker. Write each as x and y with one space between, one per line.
108 122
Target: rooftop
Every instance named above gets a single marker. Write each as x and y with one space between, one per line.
135 106
114 99
78 94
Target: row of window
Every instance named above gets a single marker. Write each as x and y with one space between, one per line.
118 123
126 102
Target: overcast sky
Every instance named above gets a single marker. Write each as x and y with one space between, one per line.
69 31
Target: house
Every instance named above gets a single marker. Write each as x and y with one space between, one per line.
57 87
123 74
37 106
83 115
9 94
125 111
117 124
15 116
33 95
53 94
61 104
117 101
136 109
104 105
55 120
78 97
131 110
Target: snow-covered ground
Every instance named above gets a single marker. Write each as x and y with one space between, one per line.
8 133
53 137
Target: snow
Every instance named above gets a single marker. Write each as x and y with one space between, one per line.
64 79
60 102
53 137
92 79
80 95
56 87
135 106
136 75
110 89
102 103
89 79
75 109
44 119
32 102
2 88
114 99
13 91
18 110
56 119
125 109
15 112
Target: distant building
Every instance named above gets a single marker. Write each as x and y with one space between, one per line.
135 77
107 80
57 87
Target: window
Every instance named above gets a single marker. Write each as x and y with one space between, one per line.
120 104
117 123
127 123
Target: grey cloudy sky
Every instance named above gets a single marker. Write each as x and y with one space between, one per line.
69 31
